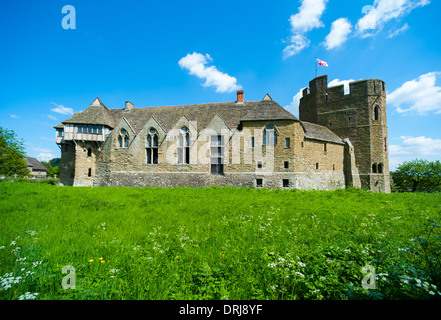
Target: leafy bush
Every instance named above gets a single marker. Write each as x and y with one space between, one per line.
418 175
52 181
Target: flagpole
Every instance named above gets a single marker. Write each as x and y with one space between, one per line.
315 61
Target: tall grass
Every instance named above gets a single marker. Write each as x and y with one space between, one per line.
217 243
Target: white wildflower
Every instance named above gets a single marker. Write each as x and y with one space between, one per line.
28 296
35 264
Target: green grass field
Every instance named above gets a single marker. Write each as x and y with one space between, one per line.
217 243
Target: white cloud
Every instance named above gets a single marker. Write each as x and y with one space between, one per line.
383 11
412 148
196 64
62 109
298 43
51 117
45 156
13 116
307 19
340 30
396 32
337 82
293 107
40 149
420 95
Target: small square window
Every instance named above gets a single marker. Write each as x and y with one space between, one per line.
286 164
259 183
259 164
285 183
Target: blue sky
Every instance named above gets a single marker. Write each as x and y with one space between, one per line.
156 53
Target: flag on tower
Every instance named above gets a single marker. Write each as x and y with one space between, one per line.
322 63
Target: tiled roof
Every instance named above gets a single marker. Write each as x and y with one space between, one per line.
231 112
97 114
35 164
321 133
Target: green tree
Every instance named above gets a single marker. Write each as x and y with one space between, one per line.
55 162
51 169
418 175
12 155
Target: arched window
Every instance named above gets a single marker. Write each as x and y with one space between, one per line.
376 113
120 142
184 146
380 168
374 168
269 136
152 146
123 139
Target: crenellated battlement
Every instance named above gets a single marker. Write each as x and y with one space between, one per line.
358 88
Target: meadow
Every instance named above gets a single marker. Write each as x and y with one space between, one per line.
217 243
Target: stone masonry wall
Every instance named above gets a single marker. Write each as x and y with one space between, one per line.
127 166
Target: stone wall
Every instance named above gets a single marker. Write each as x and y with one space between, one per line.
302 181
67 164
244 164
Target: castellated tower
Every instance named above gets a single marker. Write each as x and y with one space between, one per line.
358 117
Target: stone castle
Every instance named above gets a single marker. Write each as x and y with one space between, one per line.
339 141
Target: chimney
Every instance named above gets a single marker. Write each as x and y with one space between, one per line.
239 96
129 106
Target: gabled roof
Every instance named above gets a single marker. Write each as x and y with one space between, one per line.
317 132
35 164
97 113
267 97
231 112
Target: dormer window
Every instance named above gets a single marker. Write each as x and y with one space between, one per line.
269 136
184 146
123 139
152 146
